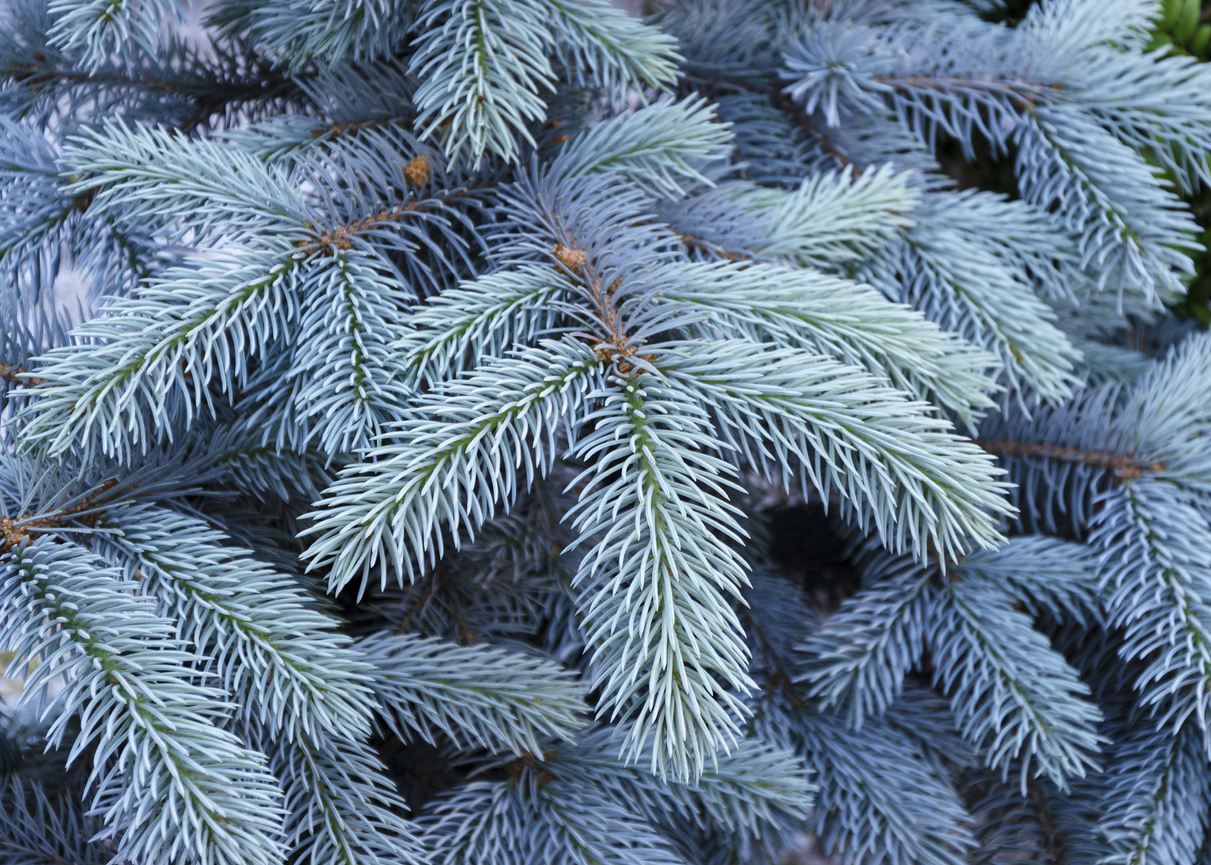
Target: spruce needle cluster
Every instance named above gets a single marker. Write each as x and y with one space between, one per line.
510 432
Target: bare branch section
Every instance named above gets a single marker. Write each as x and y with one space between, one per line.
1124 466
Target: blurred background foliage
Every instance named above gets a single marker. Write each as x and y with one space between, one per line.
1183 29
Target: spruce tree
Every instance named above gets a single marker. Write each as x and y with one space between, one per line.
507 432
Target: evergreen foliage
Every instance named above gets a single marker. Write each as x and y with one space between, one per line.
516 432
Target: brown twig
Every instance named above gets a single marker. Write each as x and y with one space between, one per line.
697 243
787 105
33 73
16 375
341 237
529 762
15 532
421 602
617 343
352 127
1123 465
1053 839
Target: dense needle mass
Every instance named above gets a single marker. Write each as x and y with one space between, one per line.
498 433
